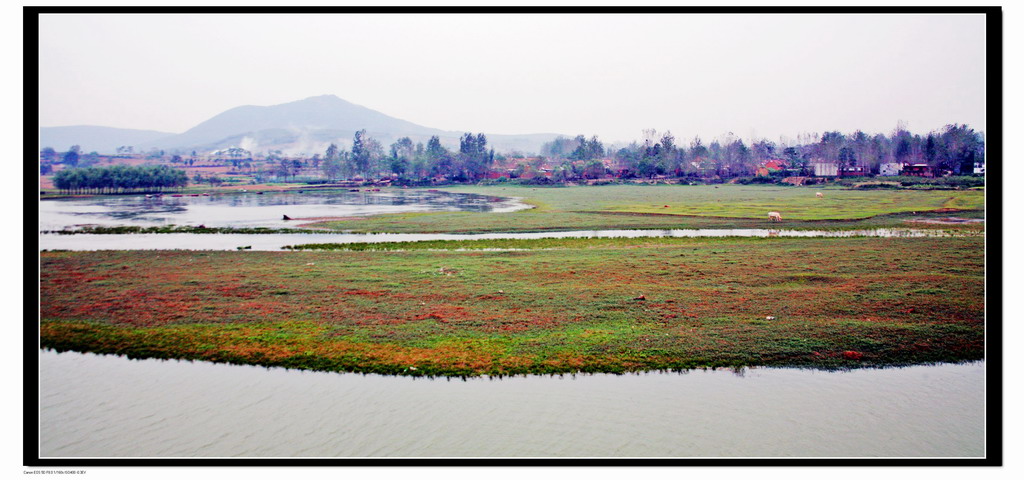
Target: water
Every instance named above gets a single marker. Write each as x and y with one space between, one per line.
253 210
106 406
275 241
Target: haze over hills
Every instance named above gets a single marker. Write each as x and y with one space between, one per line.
302 127
95 139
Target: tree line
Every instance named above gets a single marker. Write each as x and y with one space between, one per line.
120 179
367 159
954 149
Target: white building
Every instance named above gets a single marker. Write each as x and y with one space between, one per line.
890 169
825 169
979 168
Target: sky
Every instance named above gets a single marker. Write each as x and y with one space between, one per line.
756 76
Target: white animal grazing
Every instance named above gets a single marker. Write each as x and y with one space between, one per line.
775 216
819 195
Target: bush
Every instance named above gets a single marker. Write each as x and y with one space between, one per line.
758 180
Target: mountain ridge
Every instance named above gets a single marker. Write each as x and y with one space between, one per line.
303 126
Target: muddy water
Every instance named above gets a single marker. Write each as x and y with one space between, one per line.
255 210
230 241
105 406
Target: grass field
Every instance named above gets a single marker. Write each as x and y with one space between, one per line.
608 305
679 206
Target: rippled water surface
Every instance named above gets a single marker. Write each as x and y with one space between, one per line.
106 406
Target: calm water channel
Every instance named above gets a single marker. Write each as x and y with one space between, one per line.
107 406
275 241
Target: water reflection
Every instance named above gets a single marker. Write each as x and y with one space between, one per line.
253 210
109 406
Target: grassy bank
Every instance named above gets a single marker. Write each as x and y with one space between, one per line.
596 306
680 206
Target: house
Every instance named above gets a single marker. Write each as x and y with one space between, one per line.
979 168
825 169
770 167
890 169
854 172
918 170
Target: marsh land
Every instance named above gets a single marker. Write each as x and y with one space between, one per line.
556 305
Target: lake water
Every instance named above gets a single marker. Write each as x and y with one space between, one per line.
107 406
255 210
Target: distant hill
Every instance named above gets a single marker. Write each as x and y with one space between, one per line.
309 125
95 139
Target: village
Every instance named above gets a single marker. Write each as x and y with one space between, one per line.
636 163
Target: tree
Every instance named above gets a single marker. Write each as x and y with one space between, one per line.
474 158
931 153
48 154
831 143
284 169
560 147
366 154
901 141
763 150
846 157
962 147
670 157
89 159
587 149
332 164
71 156
439 159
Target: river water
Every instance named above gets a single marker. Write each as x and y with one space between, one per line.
276 241
108 406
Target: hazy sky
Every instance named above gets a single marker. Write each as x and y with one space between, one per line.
596 74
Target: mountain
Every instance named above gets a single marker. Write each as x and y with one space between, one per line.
95 139
308 126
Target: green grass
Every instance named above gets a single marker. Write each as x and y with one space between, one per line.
707 302
677 206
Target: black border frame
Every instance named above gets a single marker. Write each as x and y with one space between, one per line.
993 250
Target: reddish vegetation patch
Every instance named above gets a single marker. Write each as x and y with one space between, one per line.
367 293
713 303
